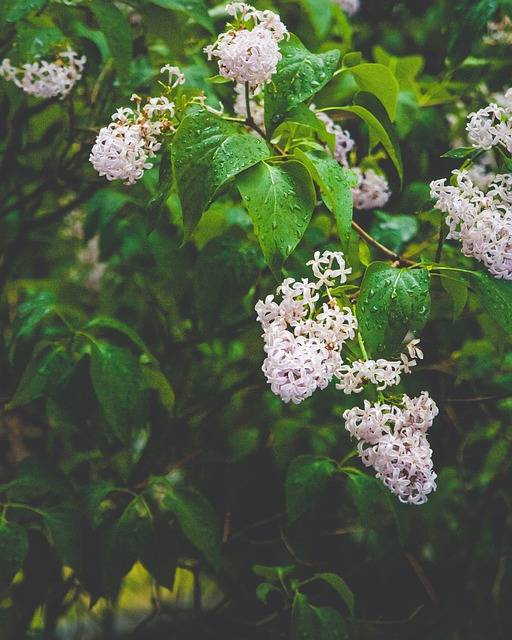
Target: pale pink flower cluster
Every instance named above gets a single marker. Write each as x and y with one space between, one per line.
249 55
44 79
349 6
371 191
492 125
123 149
304 337
481 221
392 440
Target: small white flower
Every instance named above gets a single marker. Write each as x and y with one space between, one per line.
371 190
349 6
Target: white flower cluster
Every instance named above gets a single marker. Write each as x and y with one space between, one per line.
371 191
255 105
392 440
349 6
492 125
123 148
46 79
481 221
249 55
303 341
382 373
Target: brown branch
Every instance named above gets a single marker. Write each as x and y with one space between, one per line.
377 245
418 569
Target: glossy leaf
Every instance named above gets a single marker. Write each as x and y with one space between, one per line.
394 230
496 295
334 182
13 551
280 200
114 375
457 289
469 22
43 375
370 109
320 14
306 480
300 74
65 526
197 520
165 186
378 80
391 303
207 152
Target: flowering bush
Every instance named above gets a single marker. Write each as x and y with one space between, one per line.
213 300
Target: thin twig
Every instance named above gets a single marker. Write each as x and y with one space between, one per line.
374 243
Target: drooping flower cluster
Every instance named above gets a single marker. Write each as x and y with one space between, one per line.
44 79
123 149
372 190
349 6
481 221
392 440
304 336
249 55
492 125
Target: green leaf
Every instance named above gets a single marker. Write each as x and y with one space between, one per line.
21 9
316 623
394 230
157 550
195 9
44 374
118 33
107 322
114 375
320 14
300 74
264 589
207 152
378 80
306 480
457 289
115 554
462 152
165 186
280 200
370 109
273 574
405 68
469 22
34 41
340 586
29 315
65 524
225 271
13 551
38 475
197 521
391 303
334 182
496 295
154 378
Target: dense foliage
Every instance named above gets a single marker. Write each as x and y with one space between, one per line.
179 177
